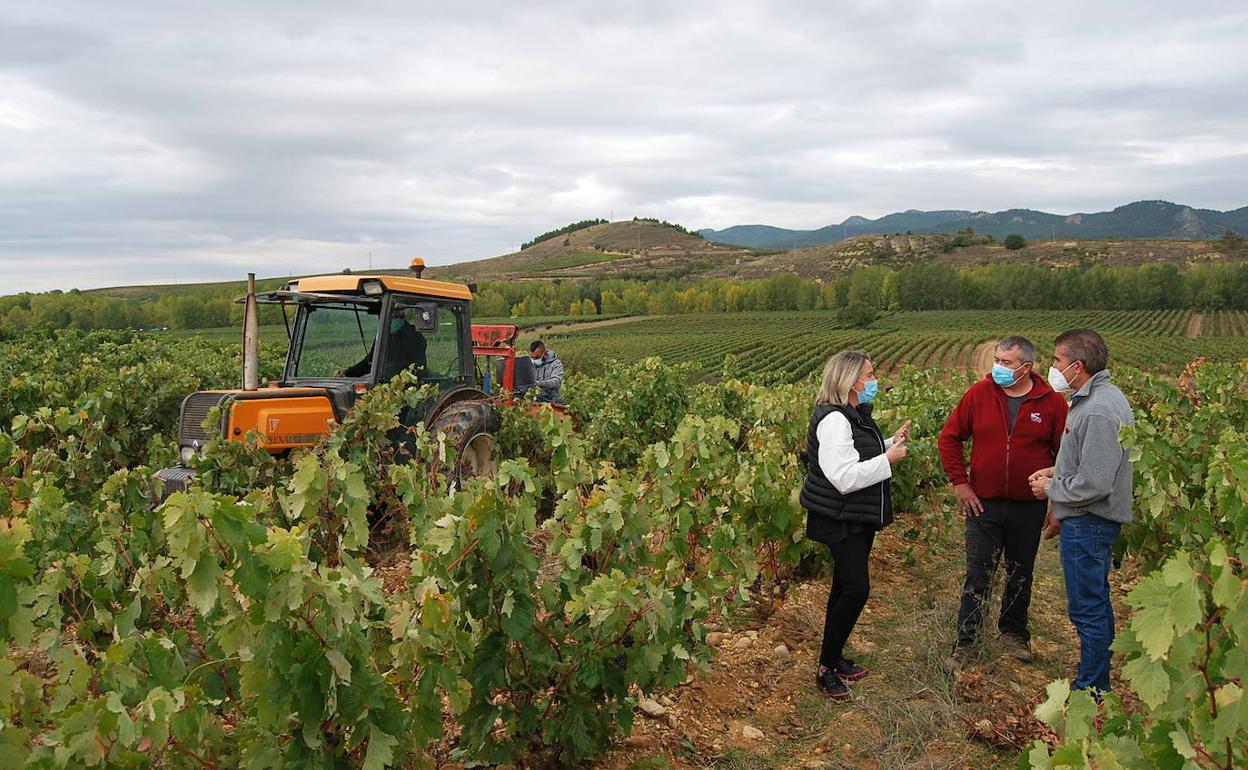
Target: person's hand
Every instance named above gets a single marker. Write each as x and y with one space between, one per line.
897 452
1052 527
903 433
1039 482
968 501
1038 487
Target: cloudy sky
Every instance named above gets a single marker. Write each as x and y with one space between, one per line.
172 141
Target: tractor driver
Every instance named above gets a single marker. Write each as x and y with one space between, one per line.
405 347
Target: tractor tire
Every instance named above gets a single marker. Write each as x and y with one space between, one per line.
470 427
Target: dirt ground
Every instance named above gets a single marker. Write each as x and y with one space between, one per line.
756 706
983 356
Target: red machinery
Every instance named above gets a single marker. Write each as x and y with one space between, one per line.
497 343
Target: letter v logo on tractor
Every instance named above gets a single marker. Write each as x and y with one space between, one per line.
273 423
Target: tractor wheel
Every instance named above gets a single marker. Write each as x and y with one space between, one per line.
469 427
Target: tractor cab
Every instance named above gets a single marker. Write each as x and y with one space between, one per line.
351 333
348 334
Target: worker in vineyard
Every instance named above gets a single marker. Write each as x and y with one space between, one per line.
1090 488
1014 421
847 498
549 373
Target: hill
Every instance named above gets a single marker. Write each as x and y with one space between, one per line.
638 248
1142 219
829 260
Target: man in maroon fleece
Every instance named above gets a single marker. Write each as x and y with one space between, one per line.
1014 420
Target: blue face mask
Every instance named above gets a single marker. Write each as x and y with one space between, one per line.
869 391
1004 375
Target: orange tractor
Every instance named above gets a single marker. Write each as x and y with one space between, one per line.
350 333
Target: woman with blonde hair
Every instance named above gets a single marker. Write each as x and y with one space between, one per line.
846 494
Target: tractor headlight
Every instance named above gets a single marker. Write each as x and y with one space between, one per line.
372 288
188 454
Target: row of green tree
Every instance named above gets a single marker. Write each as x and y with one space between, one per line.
546 236
186 309
1005 286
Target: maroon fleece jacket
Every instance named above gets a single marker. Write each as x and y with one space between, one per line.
1002 460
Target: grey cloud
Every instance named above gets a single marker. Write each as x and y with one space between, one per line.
160 138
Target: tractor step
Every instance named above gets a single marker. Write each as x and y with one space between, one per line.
175 479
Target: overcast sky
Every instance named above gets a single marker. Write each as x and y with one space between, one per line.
148 142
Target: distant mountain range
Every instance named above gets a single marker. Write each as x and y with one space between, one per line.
1142 219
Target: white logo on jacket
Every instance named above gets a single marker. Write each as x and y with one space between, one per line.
1035 417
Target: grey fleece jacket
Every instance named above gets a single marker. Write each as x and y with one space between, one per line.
550 374
1092 473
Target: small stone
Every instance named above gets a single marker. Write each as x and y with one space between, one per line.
781 652
752 634
651 708
751 733
744 643
715 638
671 721
639 742
666 701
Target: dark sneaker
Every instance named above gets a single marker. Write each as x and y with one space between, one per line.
1018 648
850 671
831 685
961 657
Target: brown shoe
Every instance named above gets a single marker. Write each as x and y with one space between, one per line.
962 656
1018 648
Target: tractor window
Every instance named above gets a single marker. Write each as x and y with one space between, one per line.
337 341
441 343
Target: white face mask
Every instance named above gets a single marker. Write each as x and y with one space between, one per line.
1057 378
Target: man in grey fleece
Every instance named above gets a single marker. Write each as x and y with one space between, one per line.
1090 489
549 374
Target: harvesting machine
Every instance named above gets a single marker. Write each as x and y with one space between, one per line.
348 334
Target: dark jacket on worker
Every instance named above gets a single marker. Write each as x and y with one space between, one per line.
404 347
829 509
1002 456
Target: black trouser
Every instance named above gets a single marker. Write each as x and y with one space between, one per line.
850 587
1012 528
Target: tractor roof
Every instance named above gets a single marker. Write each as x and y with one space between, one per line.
406 284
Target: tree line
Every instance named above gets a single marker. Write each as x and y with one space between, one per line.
566 229
1006 286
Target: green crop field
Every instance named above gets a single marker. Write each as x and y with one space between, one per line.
790 345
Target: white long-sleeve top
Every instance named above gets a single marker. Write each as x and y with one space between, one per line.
841 463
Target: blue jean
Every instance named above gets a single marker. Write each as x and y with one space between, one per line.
1087 555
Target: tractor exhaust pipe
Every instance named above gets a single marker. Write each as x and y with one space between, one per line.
251 338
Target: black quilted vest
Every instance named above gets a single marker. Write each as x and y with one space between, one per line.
827 506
